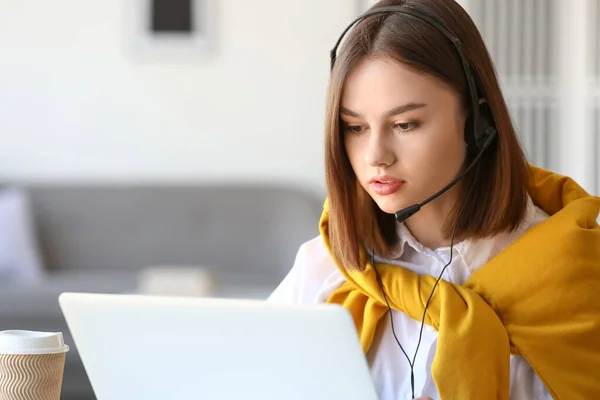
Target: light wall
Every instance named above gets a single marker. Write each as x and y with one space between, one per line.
75 104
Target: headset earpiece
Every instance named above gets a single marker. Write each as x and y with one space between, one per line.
476 138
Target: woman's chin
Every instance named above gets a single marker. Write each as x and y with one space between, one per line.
389 204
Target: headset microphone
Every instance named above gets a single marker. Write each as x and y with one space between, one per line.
407 212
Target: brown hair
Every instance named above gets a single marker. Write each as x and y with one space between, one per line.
497 202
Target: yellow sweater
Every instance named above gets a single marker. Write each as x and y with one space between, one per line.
539 298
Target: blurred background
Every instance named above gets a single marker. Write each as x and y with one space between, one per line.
176 146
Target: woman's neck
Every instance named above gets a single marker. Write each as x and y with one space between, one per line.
427 225
428 231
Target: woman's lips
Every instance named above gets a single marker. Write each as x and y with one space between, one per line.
386 185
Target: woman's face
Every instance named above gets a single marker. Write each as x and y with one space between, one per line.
403 132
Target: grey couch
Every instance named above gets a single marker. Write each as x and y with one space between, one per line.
96 238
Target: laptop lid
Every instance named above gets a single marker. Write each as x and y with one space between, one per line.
152 347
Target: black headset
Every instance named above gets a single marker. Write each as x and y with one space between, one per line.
480 131
480 128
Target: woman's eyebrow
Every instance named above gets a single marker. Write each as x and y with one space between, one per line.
391 113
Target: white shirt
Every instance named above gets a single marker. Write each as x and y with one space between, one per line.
314 277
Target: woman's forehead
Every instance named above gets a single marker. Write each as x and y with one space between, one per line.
383 83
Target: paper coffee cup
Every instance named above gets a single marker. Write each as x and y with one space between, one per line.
31 365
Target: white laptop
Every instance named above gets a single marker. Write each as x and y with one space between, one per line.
150 347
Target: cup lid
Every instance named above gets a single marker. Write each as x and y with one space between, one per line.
32 342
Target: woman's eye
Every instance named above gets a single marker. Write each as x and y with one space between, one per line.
406 126
354 129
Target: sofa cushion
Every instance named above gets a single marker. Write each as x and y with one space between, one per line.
19 255
254 230
40 299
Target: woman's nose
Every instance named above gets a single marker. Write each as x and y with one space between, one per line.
379 151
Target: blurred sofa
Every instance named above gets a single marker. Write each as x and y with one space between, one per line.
98 238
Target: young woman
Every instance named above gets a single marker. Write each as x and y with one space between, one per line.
487 289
